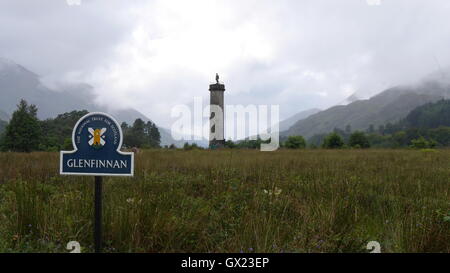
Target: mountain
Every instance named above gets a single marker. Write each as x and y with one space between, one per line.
17 82
425 126
2 126
391 105
430 115
4 116
354 97
3 121
287 123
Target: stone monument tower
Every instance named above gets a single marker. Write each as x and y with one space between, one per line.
217 127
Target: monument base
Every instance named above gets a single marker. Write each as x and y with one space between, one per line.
216 144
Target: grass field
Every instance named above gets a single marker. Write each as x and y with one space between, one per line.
234 201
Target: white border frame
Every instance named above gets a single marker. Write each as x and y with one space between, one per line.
76 149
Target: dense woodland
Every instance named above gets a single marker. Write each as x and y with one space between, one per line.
427 126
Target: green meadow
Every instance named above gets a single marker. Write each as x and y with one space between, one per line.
234 201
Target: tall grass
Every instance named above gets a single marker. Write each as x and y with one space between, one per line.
234 201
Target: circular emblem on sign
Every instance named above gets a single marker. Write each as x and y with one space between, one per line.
97 131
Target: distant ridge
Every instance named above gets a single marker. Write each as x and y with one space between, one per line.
17 82
389 106
287 123
354 97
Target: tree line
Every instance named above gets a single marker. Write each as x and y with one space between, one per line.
26 133
427 126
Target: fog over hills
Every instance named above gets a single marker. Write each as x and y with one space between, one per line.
4 116
17 82
287 123
354 97
389 106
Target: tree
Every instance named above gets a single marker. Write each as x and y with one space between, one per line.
359 139
188 147
251 144
295 142
135 136
348 129
3 125
141 134
441 135
152 134
400 138
68 146
333 141
23 133
124 127
230 144
422 143
58 130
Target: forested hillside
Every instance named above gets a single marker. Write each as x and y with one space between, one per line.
431 115
429 124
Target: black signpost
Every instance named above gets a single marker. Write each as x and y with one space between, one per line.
97 140
98 214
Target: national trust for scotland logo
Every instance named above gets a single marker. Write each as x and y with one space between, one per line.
97 138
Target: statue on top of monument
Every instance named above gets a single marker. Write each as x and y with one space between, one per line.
217 78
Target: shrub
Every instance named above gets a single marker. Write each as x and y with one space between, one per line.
230 144
68 144
295 142
422 143
333 141
359 140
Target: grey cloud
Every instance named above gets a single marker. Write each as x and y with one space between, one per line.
51 37
320 50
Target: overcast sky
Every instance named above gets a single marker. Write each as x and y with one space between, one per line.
298 54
